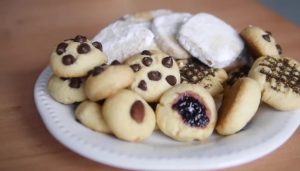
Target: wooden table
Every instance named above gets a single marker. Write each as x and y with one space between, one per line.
29 31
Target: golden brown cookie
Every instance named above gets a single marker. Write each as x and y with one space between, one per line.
195 72
129 116
239 105
90 115
260 42
75 57
105 81
279 79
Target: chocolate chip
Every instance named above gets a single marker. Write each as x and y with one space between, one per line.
147 61
80 39
115 62
279 49
97 45
171 80
154 75
167 62
83 48
267 37
146 52
135 67
142 85
137 111
268 32
68 59
75 82
97 70
61 48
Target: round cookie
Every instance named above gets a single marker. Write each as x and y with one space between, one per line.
186 112
105 81
155 72
165 29
195 72
239 105
125 38
129 116
66 90
75 57
279 79
89 114
210 40
260 42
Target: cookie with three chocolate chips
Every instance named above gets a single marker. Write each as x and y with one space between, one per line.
279 79
75 57
195 72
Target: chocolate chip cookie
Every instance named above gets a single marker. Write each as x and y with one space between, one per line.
155 72
75 57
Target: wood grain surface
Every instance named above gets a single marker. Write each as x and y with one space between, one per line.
30 29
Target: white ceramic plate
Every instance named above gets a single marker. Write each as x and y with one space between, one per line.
266 132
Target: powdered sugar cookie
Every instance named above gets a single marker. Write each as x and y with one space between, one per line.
123 38
165 29
211 40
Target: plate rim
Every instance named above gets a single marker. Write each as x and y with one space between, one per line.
74 143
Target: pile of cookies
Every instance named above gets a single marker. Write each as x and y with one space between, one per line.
163 70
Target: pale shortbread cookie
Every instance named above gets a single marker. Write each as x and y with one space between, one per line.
279 79
147 15
66 90
125 38
155 72
129 116
211 40
165 29
260 42
75 57
186 112
194 72
90 115
243 60
105 81
239 105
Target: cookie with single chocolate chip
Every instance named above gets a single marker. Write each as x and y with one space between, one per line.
155 72
75 57
89 114
129 116
186 112
239 105
195 72
279 79
104 81
260 42
66 90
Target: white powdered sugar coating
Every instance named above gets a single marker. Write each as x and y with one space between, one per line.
211 40
165 29
122 39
